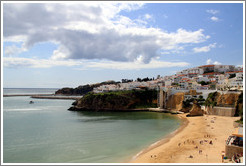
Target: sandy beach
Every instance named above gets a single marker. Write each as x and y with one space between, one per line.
199 140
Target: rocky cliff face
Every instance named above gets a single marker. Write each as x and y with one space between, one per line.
196 110
227 99
113 101
176 101
223 99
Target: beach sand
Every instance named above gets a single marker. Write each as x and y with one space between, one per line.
200 140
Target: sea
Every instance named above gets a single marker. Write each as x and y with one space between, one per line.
46 132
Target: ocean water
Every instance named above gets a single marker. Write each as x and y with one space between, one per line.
46 132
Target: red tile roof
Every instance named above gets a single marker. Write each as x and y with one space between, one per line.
207 66
185 79
212 73
234 72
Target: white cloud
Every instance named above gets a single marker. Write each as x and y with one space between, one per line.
212 11
209 62
11 62
148 16
13 50
215 19
205 48
92 30
153 64
217 63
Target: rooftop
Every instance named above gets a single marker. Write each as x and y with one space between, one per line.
207 66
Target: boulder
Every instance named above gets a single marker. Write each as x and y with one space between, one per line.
196 110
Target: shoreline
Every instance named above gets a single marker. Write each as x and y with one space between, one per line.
166 139
190 143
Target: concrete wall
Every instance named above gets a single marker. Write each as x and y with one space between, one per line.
230 150
221 111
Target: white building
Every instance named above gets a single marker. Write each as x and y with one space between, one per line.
219 77
236 83
168 83
224 68
201 78
195 70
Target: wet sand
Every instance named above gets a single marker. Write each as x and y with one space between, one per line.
199 140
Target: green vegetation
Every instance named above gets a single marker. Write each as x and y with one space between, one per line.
241 115
204 83
83 89
210 101
188 103
144 79
232 75
175 84
201 100
119 100
239 108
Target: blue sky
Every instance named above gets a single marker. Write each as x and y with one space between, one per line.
71 44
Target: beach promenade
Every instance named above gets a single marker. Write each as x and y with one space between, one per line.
200 140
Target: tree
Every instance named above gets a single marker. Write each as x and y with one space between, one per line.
232 75
203 83
139 80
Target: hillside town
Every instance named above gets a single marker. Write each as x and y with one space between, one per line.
218 87
206 77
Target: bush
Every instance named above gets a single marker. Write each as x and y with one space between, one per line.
210 101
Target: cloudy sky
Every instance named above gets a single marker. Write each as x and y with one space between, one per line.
70 44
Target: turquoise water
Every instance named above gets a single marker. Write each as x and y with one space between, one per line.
45 132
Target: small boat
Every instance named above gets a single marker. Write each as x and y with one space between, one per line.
31 102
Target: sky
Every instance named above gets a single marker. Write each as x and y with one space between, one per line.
55 45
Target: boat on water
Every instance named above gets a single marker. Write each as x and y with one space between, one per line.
31 102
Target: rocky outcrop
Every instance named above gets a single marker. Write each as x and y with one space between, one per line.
229 99
232 100
116 101
222 99
175 102
196 110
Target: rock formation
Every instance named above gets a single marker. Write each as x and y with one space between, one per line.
196 110
116 101
175 101
227 99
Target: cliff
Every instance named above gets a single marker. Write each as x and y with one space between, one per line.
227 99
222 99
175 101
116 101
232 100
